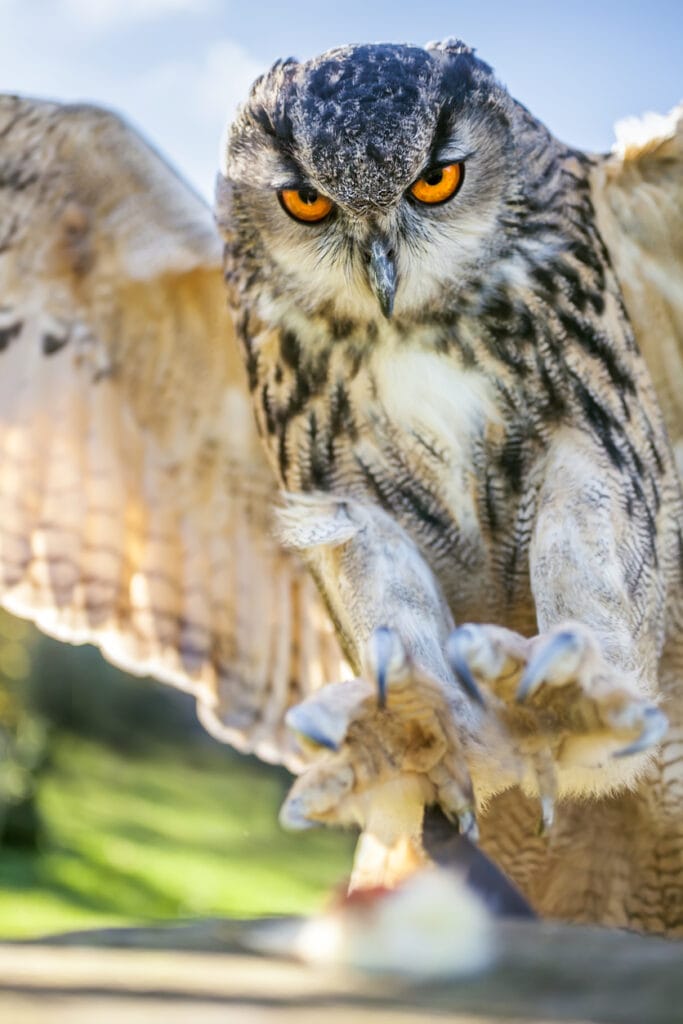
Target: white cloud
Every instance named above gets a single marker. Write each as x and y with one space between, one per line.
103 15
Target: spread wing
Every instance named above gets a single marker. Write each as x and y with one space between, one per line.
135 502
638 195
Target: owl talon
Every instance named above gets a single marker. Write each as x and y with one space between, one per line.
467 825
381 649
455 651
555 662
655 725
387 661
546 780
293 819
312 723
547 818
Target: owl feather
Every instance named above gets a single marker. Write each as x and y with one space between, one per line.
136 505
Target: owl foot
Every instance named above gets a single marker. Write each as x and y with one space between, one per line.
571 715
382 749
553 717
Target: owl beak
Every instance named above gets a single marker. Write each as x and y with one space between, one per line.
382 273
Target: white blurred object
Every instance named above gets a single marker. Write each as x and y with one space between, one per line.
431 926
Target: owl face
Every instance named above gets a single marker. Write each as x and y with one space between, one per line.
370 179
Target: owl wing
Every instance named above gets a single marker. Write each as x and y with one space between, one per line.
638 196
135 501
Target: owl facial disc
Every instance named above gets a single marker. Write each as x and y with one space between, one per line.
368 183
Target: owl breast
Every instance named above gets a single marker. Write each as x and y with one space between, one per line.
431 426
386 417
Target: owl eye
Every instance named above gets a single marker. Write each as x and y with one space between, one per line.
305 204
439 184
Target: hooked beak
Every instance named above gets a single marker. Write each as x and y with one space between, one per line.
382 273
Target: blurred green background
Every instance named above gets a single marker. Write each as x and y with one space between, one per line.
117 808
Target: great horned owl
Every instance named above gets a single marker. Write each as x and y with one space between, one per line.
436 303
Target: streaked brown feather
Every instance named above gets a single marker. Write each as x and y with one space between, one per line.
135 501
638 196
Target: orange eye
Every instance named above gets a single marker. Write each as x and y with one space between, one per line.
305 204
438 185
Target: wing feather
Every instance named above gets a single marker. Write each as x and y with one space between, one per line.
135 501
638 195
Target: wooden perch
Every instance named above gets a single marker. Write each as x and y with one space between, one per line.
202 972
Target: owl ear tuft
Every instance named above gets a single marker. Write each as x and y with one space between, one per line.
266 105
284 62
451 45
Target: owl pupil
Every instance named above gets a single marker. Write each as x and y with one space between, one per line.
434 177
308 195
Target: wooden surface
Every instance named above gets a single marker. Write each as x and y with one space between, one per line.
202 973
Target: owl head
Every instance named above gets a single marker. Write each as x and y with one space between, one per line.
367 180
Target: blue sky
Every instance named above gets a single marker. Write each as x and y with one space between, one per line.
177 68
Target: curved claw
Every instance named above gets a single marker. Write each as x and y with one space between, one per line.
460 667
548 657
467 825
292 817
383 641
315 724
546 780
654 728
547 814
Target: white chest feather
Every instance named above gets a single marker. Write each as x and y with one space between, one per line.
428 396
439 415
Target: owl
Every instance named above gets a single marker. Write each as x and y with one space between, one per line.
416 530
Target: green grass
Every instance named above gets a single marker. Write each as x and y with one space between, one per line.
179 834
